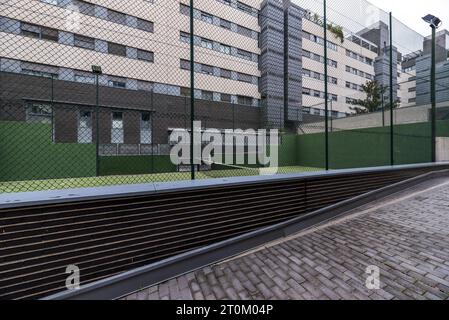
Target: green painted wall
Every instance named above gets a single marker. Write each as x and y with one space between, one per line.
129 165
369 147
27 153
287 151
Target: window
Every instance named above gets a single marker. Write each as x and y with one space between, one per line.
225 97
84 42
30 30
185 92
117 128
85 127
84 7
117 49
39 112
244 31
35 31
244 54
145 25
145 85
117 83
184 9
185 64
225 24
225 49
83 78
145 55
351 100
207 95
245 77
205 43
185 37
49 34
244 7
245 100
117 17
40 70
145 128
225 73
207 69
206 17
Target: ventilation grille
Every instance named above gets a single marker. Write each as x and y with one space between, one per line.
109 236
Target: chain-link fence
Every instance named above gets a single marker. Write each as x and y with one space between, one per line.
97 92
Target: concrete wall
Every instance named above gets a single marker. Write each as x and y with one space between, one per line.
407 115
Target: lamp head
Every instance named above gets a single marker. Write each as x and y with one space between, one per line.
97 70
433 21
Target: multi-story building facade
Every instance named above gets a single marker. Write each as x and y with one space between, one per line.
415 76
143 49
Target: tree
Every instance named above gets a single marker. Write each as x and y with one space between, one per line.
337 31
373 101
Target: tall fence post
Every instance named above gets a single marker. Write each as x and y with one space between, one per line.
152 114
391 93
97 121
192 89
53 138
326 100
433 97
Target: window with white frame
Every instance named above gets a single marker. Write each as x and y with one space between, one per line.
85 127
84 77
145 128
117 134
39 113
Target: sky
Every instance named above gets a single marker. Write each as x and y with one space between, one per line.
410 12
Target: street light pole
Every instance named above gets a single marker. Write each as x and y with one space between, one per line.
433 97
391 93
434 23
97 71
192 90
326 101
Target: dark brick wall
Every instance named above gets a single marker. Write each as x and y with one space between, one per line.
70 97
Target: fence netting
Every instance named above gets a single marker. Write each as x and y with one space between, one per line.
99 93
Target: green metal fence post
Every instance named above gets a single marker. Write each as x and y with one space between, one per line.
97 121
192 89
433 97
152 130
52 108
326 101
391 93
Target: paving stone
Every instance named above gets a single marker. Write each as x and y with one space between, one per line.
406 239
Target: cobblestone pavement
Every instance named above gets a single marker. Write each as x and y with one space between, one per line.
406 236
